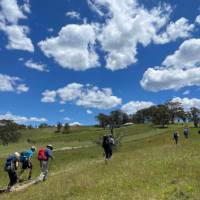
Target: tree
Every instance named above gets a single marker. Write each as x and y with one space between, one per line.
103 120
161 115
116 118
30 127
59 127
9 132
195 115
66 128
125 118
140 116
175 109
184 115
43 125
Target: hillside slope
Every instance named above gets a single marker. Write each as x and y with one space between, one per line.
148 165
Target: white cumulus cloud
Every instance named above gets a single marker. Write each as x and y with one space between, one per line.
49 96
177 71
128 24
26 7
179 29
133 106
157 79
73 48
186 56
10 14
187 103
11 84
197 19
67 119
83 95
21 119
186 92
33 65
89 112
75 124
73 14
22 88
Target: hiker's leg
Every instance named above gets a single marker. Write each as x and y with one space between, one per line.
10 179
30 171
41 170
110 152
13 178
106 153
20 173
45 169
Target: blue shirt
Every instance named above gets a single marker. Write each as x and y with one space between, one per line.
48 153
28 154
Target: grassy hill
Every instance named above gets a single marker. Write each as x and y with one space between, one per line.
147 166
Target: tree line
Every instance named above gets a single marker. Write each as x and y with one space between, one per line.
10 131
162 115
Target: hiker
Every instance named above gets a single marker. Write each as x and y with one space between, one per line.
176 136
26 161
11 166
43 156
186 132
107 144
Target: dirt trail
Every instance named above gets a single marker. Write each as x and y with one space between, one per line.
72 148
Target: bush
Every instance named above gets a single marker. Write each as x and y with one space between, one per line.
9 132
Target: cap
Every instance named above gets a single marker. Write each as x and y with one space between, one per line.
33 148
17 154
50 146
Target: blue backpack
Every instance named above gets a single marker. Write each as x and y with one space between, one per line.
23 157
10 163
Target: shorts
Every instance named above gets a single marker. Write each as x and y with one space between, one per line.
27 165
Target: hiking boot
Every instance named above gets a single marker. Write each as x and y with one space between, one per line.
29 178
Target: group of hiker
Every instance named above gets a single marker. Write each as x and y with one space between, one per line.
23 160
176 134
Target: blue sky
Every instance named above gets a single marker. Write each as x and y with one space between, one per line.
67 61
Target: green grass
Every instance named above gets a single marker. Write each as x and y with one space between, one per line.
147 166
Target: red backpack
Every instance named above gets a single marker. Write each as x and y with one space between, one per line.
41 154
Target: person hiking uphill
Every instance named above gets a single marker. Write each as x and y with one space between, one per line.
186 132
26 161
11 166
43 156
176 136
107 144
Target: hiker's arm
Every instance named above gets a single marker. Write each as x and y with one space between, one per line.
17 164
50 155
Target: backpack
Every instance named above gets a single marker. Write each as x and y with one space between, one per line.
111 141
105 141
41 154
10 163
175 135
22 157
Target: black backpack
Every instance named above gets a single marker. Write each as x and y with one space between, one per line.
105 141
